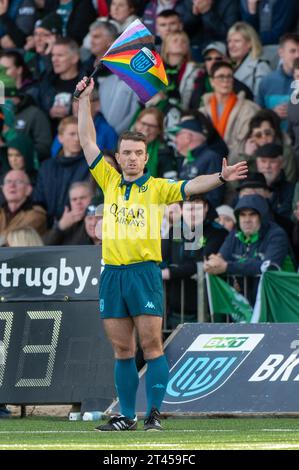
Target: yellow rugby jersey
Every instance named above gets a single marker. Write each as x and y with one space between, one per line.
133 213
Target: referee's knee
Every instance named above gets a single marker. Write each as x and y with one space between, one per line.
152 348
123 352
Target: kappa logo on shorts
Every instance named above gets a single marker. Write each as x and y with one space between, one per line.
102 304
150 305
207 364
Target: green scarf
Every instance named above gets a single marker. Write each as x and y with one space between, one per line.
190 158
248 240
153 162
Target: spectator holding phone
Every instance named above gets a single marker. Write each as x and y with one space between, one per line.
44 37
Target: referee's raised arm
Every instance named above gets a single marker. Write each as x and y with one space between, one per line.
87 132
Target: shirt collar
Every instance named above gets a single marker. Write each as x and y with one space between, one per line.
140 181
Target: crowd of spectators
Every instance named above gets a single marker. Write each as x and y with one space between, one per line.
232 67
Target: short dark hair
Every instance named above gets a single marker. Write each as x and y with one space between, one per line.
288 37
68 42
168 13
219 65
18 61
132 135
266 115
198 198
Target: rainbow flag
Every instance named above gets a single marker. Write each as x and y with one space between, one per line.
133 58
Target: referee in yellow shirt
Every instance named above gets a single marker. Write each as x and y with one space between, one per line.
131 290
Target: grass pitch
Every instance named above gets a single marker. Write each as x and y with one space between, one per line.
178 434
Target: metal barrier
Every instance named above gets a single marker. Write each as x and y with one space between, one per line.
203 312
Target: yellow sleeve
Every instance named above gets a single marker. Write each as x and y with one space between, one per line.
102 172
171 190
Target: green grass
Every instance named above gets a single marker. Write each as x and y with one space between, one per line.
57 433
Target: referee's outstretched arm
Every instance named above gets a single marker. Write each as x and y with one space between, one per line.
204 183
87 132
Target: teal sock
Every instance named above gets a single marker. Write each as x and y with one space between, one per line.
126 382
156 380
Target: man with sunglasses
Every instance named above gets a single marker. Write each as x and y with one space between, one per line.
213 53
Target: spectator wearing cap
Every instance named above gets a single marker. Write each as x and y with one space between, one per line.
229 113
17 19
18 210
46 32
209 20
245 50
256 183
269 162
226 217
199 159
22 116
264 128
255 240
70 228
200 236
212 53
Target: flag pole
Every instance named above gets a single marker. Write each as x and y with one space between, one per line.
210 298
77 93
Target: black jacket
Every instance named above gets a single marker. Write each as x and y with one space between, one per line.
282 196
21 24
204 161
75 235
82 15
212 26
33 122
245 258
182 262
54 180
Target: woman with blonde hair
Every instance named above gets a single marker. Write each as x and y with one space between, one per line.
245 50
181 70
23 237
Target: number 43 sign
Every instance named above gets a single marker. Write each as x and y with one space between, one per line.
49 349
54 352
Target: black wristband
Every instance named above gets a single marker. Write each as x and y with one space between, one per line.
221 178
